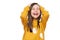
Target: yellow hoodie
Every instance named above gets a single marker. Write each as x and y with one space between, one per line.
40 33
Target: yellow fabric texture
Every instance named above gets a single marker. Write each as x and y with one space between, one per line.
29 35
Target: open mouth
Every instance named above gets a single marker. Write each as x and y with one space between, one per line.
35 13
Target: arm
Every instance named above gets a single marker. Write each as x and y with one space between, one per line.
24 17
45 16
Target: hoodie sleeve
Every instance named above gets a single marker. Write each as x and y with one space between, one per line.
45 16
24 16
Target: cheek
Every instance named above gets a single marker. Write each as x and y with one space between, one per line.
32 12
38 13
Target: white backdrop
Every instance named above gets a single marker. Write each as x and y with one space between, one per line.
11 27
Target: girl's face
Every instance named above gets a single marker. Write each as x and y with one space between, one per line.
35 11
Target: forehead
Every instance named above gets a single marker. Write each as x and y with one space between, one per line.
36 6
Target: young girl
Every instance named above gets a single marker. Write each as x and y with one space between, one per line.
34 19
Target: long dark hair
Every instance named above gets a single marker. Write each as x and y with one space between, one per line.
30 18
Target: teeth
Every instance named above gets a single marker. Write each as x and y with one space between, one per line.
35 13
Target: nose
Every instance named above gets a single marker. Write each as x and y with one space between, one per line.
35 10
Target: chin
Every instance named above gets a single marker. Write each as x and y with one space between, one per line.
35 17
